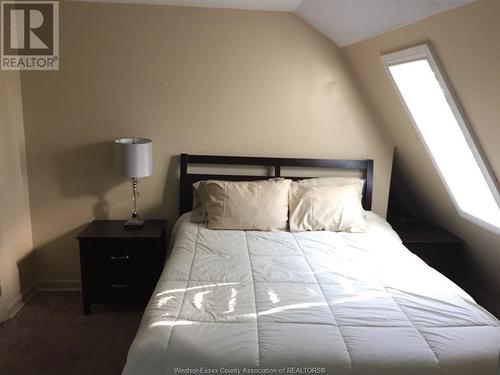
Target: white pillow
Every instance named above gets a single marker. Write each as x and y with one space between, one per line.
326 207
335 181
247 205
199 214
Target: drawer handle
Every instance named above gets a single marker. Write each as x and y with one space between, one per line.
124 257
119 286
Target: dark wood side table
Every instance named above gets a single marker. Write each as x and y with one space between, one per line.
437 247
118 265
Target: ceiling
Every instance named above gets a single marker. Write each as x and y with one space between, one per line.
343 21
349 21
270 5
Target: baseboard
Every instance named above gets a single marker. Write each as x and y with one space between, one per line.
42 286
19 302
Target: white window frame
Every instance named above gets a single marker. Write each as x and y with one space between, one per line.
425 52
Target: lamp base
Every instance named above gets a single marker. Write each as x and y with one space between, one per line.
134 223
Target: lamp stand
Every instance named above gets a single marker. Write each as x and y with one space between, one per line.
135 221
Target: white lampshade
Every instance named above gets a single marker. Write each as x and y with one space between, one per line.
134 157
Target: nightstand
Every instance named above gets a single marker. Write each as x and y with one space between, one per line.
434 245
118 265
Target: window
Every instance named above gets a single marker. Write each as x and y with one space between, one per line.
435 113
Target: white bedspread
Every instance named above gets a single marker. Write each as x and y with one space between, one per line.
348 303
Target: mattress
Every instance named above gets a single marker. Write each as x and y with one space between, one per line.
308 303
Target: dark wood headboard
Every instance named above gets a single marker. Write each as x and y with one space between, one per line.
188 179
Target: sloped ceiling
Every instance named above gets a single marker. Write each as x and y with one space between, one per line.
343 21
270 5
349 21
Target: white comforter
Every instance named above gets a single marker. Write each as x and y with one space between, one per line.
314 301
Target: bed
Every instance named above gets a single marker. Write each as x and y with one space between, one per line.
236 302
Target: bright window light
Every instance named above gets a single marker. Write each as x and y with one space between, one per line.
435 114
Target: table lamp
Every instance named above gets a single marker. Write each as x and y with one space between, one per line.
134 159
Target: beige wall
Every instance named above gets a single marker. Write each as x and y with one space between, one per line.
467 41
16 258
193 80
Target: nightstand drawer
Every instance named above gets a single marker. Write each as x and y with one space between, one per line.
122 255
122 270
118 293
121 250
121 266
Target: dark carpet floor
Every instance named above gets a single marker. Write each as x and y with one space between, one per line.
50 336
